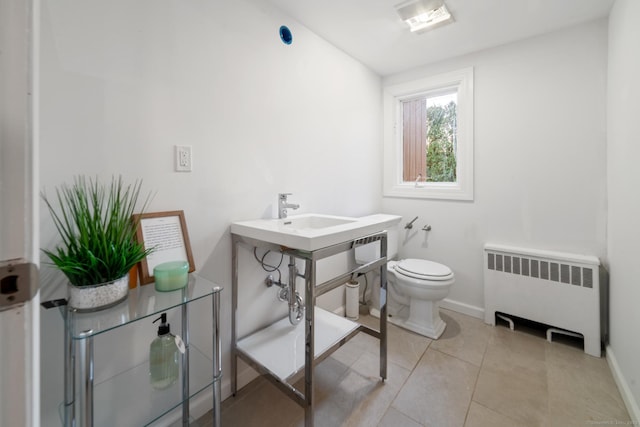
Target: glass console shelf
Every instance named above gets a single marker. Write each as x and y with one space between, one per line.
128 398
143 301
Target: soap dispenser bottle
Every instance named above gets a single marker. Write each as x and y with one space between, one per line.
163 356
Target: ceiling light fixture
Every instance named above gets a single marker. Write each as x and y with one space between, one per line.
422 15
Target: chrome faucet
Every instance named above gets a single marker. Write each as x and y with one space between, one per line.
283 205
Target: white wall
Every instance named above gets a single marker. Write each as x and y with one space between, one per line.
623 176
123 82
539 157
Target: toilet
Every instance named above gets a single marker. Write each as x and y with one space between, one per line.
415 288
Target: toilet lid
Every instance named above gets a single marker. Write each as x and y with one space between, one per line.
423 269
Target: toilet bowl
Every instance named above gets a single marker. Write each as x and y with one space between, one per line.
415 288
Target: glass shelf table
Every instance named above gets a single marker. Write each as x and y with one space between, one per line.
133 384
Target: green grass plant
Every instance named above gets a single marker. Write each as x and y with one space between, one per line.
98 232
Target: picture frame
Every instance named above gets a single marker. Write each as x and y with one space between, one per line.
167 232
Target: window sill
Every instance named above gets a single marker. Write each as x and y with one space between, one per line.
430 190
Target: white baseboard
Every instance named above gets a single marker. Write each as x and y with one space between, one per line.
625 391
448 304
461 307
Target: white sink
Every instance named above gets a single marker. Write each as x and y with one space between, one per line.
309 232
315 222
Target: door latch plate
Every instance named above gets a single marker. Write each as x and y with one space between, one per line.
18 282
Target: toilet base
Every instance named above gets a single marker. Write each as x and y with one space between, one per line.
431 330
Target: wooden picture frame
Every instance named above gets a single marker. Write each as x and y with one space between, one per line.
167 232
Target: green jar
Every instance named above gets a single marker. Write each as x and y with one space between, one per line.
171 275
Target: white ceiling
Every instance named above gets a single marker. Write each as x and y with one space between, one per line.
372 32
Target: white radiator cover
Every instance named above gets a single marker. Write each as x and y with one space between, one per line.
558 289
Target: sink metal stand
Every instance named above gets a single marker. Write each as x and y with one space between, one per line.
312 291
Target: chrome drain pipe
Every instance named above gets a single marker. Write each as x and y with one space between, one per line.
296 307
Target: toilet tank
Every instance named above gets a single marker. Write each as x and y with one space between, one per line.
370 252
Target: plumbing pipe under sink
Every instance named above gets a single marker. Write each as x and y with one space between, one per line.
296 307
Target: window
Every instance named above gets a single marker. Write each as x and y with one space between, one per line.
428 137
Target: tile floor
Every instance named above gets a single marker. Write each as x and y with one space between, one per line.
475 375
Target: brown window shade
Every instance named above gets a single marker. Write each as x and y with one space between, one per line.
414 139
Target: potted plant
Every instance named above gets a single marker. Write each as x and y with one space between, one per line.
98 246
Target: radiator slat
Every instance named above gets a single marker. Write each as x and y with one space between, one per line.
516 265
587 277
564 273
544 270
555 273
575 276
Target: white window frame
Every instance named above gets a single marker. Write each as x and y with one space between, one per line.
392 98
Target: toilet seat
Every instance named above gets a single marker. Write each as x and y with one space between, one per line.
423 269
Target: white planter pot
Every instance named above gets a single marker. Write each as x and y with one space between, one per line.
98 297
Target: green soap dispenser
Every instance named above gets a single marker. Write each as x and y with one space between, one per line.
163 356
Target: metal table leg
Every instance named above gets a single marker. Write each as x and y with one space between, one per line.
234 308
217 357
185 366
69 374
86 374
383 310
309 342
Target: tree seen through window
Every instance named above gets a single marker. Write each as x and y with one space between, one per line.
441 144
